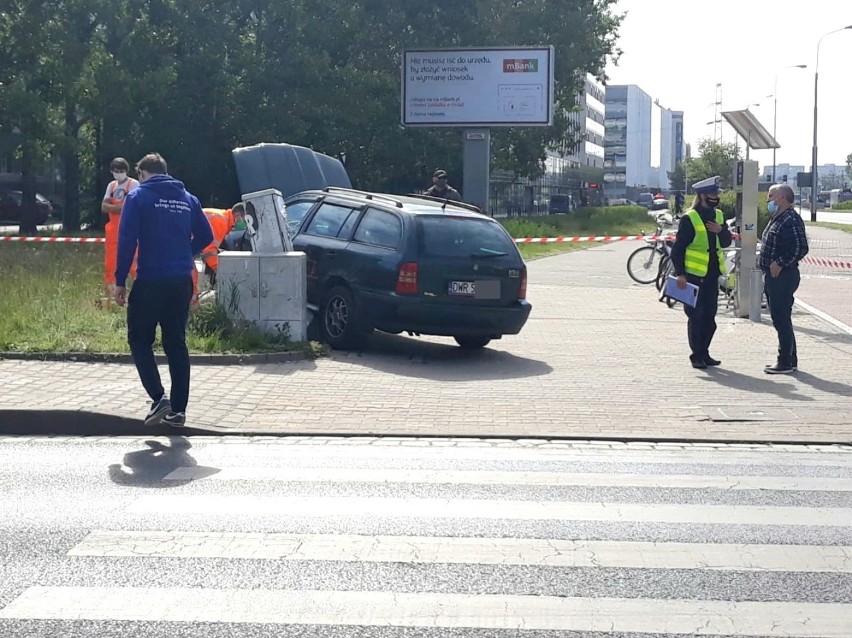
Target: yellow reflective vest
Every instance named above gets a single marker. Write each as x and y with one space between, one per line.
697 260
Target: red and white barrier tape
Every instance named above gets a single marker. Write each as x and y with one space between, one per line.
604 238
830 263
56 240
817 261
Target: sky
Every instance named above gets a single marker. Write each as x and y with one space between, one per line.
743 44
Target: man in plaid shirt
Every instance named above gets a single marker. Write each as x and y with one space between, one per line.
784 245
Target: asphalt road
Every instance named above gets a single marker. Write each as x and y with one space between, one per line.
391 538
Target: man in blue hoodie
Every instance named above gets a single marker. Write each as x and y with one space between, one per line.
167 226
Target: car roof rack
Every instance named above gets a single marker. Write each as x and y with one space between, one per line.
366 194
445 201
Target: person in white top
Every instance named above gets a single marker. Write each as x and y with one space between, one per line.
112 203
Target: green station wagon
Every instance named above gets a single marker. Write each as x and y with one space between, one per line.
407 264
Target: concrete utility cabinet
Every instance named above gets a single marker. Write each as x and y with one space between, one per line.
266 289
267 286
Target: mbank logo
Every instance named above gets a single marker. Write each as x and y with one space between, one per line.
520 66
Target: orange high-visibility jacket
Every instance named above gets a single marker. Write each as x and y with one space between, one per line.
222 223
115 196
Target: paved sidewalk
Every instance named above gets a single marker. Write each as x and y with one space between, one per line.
599 357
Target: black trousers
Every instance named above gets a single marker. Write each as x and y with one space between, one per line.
164 302
779 294
702 317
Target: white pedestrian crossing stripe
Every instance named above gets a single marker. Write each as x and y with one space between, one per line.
462 477
195 502
492 509
455 550
391 609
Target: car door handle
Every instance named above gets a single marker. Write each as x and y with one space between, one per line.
331 253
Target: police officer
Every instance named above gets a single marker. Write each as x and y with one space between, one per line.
698 259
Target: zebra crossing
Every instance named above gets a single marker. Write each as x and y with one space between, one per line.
512 541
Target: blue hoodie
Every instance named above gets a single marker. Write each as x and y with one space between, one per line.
167 225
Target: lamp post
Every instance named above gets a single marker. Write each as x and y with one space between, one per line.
775 113
814 155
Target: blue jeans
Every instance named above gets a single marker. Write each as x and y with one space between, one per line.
164 302
779 294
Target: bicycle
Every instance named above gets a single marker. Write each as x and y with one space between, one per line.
641 264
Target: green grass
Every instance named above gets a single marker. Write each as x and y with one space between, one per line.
843 206
52 301
615 220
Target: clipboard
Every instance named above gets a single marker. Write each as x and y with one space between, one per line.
688 295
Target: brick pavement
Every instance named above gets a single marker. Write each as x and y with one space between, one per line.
599 357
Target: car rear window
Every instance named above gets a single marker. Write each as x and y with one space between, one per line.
462 237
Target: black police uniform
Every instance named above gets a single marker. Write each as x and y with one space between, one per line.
701 325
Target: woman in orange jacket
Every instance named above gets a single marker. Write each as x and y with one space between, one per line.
113 201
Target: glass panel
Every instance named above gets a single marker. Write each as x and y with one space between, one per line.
462 237
328 220
379 228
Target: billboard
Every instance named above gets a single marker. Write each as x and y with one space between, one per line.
478 87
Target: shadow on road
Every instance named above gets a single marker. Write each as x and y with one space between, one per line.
832 387
825 335
763 384
45 422
413 357
148 467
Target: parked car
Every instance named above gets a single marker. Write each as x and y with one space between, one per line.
645 199
10 207
659 203
561 204
407 264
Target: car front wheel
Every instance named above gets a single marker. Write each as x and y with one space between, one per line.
472 342
340 319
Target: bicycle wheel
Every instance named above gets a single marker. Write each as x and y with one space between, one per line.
641 265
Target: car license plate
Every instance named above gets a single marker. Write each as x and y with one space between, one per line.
462 288
482 289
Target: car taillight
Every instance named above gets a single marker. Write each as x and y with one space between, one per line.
406 282
522 292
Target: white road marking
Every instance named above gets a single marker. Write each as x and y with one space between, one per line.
496 509
465 551
473 477
389 609
825 317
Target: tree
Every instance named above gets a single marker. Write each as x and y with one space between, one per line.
677 177
26 92
714 158
193 80
849 167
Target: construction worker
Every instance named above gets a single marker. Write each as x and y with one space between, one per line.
222 221
112 204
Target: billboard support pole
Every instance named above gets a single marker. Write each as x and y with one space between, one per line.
477 167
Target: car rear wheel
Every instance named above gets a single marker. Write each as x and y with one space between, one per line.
340 320
472 342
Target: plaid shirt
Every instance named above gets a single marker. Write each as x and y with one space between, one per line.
784 241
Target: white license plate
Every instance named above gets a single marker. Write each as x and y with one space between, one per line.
462 288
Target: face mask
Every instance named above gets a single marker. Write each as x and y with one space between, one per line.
773 208
119 177
713 201
240 224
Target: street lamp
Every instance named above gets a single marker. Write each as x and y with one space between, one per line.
774 96
814 156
